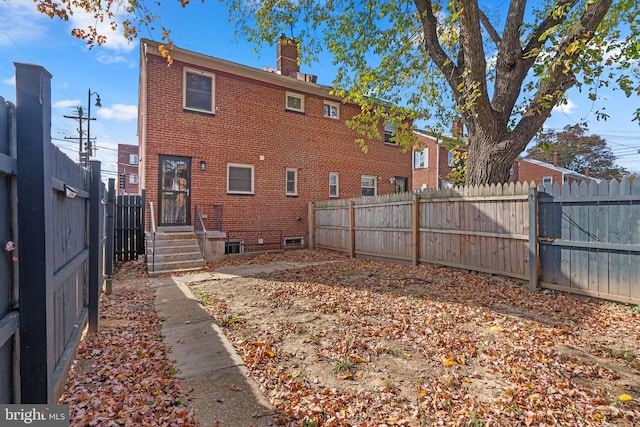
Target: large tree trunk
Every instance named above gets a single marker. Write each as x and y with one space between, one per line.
492 152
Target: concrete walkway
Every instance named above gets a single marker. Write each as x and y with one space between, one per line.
223 394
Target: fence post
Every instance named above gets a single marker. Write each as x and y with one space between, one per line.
35 239
534 259
312 225
140 238
111 208
94 245
352 229
415 230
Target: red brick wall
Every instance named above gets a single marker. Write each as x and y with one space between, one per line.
250 121
438 167
124 167
526 172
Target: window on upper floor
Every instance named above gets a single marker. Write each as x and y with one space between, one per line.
547 181
133 159
333 184
331 109
292 182
368 185
421 159
199 90
133 178
240 179
389 131
294 102
451 159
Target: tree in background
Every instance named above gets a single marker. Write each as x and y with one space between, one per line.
578 151
501 68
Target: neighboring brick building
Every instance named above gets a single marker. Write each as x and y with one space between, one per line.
128 176
527 170
260 143
431 164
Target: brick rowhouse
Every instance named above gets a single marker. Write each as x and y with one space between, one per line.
281 126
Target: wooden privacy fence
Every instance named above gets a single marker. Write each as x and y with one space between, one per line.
53 236
494 229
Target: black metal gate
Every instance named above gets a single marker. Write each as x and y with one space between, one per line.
129 227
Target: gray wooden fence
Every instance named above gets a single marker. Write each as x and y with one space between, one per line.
588 236
52 211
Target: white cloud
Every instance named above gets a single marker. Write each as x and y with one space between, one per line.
66 103
567 107
115 40
27 24
10 81
119 112
111 59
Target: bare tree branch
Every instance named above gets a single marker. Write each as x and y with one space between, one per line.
490 28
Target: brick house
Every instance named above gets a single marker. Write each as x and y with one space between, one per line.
527 170
431 163
128 176
259 144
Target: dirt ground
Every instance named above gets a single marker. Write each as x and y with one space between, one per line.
363 343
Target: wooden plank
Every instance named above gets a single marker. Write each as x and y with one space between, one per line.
614 237
533 239
634 233
624 223
603 238
593 266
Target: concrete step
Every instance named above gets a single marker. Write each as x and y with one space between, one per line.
175 251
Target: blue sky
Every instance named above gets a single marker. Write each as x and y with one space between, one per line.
111 70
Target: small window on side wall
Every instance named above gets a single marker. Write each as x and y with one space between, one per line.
239 179
547 181
421 159
333 184
331 110
133 159
389 130
292 182
295 102
199 90
133 178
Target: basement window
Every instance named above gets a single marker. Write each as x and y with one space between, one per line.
234 247
293 242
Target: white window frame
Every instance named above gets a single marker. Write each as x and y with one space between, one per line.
295 182
297 96
388 130
133 178
336 185
332 106
451 159
133 159
547 181
184 90
375 184
424 156
253 180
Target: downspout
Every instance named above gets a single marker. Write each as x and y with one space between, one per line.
437 164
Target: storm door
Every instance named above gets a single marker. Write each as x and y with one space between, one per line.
174 201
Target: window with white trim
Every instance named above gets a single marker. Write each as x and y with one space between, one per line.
421 159
333 184
368 185
239 178
389 131
292 182
295 102
547 181
451 159
133 159
133 178
199 90
331 109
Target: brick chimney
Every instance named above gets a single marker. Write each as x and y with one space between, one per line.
586 170
457 129
288 56
555 158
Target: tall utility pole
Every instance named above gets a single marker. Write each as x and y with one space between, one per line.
83 153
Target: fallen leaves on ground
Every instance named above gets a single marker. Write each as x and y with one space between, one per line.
362 343
122 375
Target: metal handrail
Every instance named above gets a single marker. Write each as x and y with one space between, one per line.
199 229
153 237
